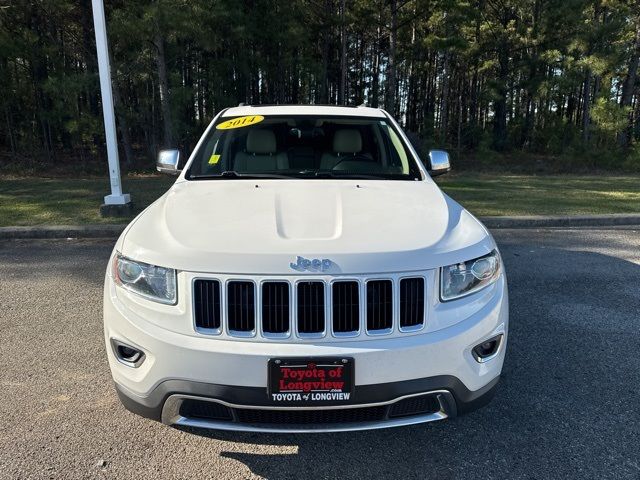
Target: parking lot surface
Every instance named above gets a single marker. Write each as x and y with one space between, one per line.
568 403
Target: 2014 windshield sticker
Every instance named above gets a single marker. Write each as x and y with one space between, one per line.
240 122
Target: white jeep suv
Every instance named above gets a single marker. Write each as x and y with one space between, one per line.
304 273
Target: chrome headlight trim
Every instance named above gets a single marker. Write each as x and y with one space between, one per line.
145 280
476 274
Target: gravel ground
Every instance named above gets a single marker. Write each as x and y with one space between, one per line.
568 404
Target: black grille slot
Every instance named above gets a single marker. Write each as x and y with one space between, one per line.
206 301
411 302
275 307
310 307
307 417
241 312
346 307
379 305
421 405
207 410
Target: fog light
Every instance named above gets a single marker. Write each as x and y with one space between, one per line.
488 349
126 354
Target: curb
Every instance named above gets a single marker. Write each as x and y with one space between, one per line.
113 231
62 231
609 220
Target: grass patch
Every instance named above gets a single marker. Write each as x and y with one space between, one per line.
70 201
485 194
75 201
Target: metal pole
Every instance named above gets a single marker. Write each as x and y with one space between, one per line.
116 197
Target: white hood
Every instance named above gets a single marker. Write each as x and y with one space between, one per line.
261 226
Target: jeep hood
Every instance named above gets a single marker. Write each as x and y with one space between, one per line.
261 226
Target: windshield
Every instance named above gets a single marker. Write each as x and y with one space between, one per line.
303 147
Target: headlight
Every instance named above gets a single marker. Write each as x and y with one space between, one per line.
155 283
468 277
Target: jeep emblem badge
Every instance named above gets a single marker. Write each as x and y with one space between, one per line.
314 265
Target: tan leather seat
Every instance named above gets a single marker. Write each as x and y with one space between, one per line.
346 142
260 154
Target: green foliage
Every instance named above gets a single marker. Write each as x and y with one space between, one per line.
609 117
538 77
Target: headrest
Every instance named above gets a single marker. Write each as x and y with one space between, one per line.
261 141
347 141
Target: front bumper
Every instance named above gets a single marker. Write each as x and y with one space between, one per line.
451 399
435 366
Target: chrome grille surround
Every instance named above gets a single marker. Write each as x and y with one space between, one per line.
415 284
206 296
376 289
171 415
307 302
339 290
275 305
328 334
250 317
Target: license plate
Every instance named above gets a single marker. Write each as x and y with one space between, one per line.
311 381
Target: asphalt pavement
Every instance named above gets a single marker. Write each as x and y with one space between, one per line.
568 405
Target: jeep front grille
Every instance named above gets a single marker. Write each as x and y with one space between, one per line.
346 307
379 305
309 308
241 308
275 307
206 304
411 302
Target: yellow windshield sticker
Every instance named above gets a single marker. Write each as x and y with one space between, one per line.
240 122
213 159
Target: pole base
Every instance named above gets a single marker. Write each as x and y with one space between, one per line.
117 199
116 210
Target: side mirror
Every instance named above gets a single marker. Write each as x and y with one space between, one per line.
438 162
168 162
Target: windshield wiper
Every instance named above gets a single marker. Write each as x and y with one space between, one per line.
298 174
336 174
234 174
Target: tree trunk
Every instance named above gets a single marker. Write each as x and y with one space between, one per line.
586 117
326 51
88 43
375 83
122 124
500 105
444 105
428 118
529 110
343 56
163 84
474 79
10 136
529 120
390 97
201 90
624 137
412 97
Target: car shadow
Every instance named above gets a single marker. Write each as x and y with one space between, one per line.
570 388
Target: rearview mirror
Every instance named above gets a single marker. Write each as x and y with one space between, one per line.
438 162
168 162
